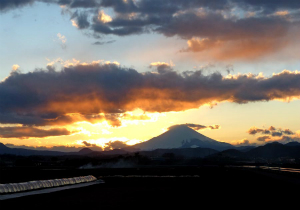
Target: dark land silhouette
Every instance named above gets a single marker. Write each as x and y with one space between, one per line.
274 154
188 176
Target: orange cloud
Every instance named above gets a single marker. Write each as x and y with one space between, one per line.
29 132
282 13
248 49
97 92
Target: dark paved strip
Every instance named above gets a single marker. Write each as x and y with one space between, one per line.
48 190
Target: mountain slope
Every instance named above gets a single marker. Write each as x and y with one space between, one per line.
182 137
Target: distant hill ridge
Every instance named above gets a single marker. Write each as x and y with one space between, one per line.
205 147
267 151
27 152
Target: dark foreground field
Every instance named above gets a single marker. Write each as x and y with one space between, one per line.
205 187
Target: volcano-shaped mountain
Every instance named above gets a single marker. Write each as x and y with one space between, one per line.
182 136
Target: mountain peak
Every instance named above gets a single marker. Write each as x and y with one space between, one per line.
180 128
176 136
85 151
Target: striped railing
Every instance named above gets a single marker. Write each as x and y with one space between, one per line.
34 185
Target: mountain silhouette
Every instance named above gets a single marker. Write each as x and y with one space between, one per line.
182 136
245 148
85 151
27 152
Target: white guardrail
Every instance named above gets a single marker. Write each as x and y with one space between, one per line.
41 184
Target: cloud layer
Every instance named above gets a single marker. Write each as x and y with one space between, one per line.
275 134
28 132
13 4
227 29
97 92
271 130
197 127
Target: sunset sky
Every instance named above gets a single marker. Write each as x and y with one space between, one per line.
77 73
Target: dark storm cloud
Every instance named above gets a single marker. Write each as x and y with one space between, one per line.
172 6
76 3
13 4
269 6
181 17
84 3
120 5
245 37
27 132
207 25
81 19
46 97
64 2
178 18
50 118
162 7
